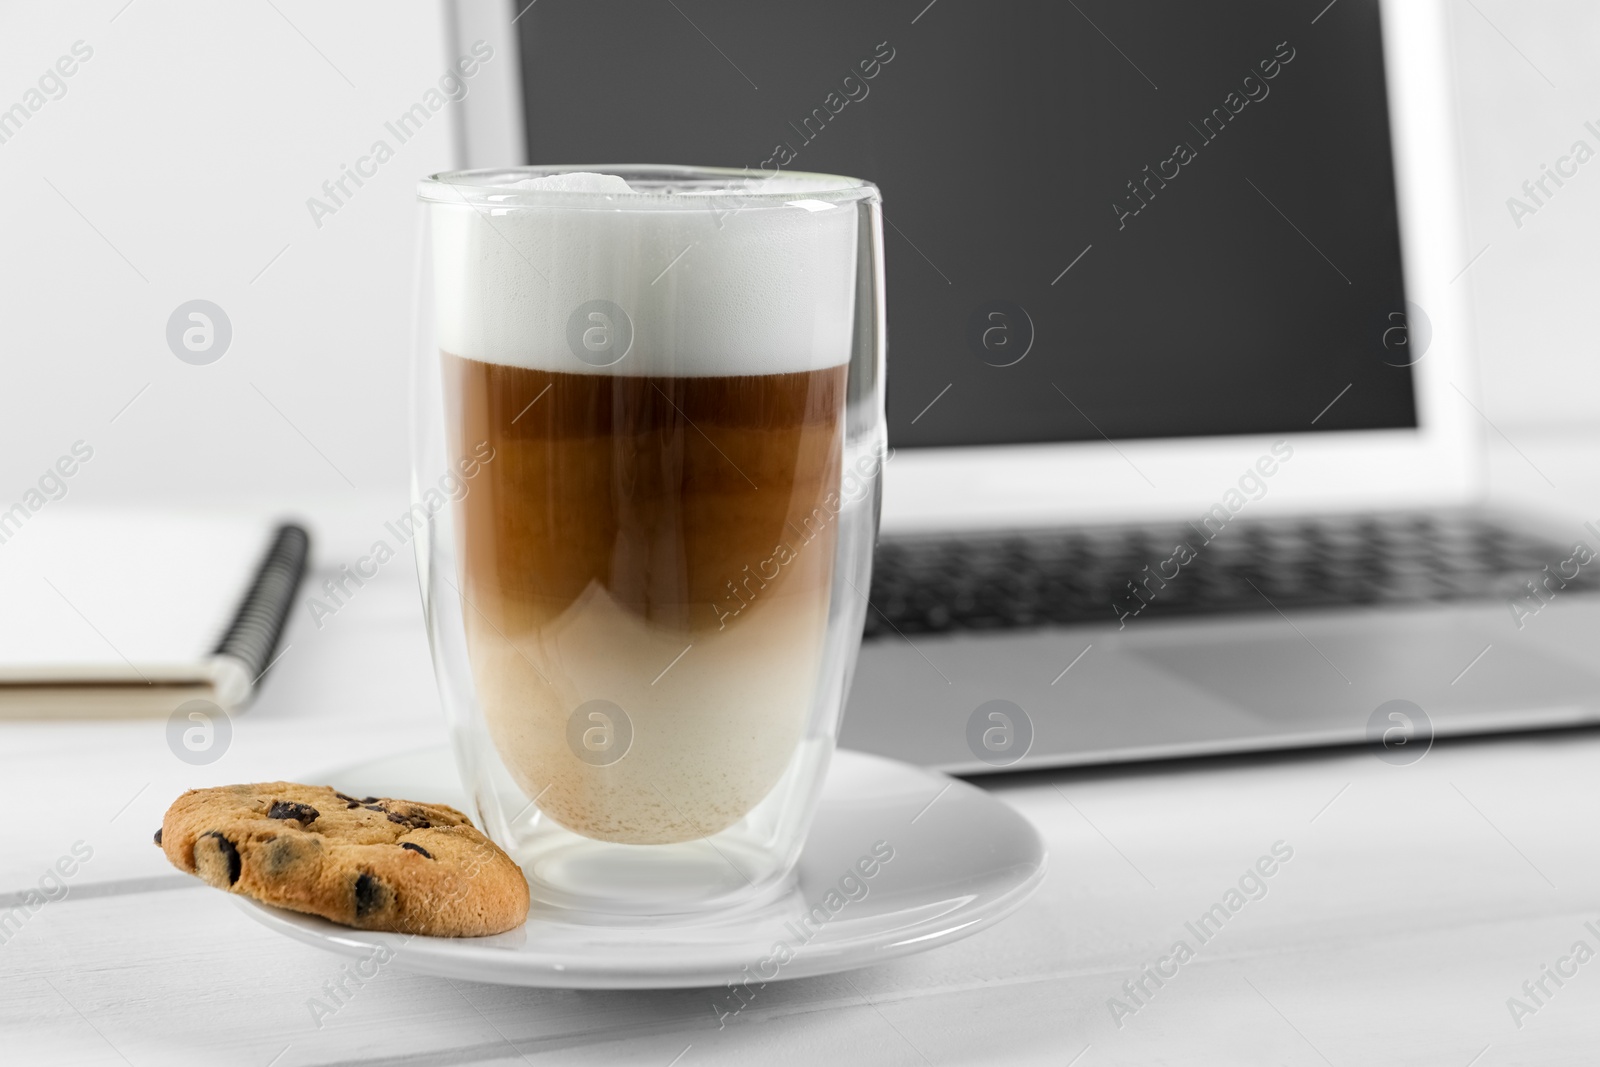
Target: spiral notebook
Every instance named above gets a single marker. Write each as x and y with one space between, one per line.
110 615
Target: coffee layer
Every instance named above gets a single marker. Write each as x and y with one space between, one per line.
663 544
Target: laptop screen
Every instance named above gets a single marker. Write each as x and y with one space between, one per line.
1103 218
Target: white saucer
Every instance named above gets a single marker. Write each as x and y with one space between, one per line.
962 861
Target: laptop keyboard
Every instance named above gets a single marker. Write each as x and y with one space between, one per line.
1110 575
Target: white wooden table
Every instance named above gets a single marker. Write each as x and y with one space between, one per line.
1418 900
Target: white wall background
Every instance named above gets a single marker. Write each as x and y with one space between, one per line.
178 163
177 166
1527 81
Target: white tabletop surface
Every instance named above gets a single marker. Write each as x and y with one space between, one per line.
1417 901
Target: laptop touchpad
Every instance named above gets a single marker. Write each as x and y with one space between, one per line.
1335 667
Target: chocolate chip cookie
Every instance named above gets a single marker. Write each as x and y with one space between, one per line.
374 863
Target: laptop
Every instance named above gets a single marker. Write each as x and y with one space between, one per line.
1186 439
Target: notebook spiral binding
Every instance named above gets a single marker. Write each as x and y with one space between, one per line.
252 637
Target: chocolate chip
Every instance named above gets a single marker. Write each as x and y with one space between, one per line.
374 807
371 895
158 835
341 796
416 822
229 850
304 814
352 804
416 848
369 800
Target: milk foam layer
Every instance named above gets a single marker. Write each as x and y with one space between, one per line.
578 181
708 287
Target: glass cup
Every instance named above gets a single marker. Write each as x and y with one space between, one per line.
647 441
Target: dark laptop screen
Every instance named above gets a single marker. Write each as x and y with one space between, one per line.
1136 218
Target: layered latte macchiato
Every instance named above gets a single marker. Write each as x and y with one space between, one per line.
656 532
